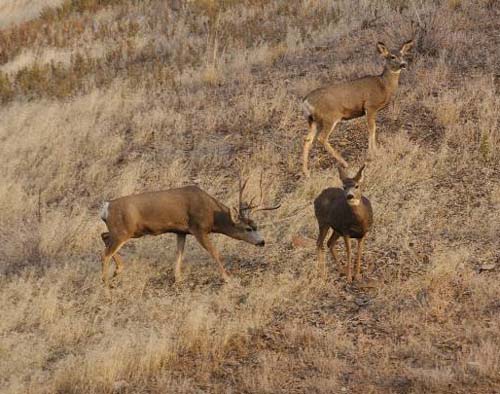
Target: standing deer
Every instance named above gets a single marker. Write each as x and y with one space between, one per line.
330 104
348 214
185 210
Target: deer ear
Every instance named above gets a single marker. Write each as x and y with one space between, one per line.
405 48
382 49
360 175
342 173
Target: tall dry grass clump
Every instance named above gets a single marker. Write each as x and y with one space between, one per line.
101 99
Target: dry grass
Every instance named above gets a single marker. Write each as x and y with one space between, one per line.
105 98
16 11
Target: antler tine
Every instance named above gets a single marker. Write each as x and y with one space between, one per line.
242 186
261 192
261 198
267 208
259 206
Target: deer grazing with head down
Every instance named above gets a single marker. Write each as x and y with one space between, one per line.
348 213
330 104
183 211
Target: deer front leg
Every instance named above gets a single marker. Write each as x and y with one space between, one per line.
207 244
331 245
181 242
323 231
119 264
323 138
358 257
311 136
347 241
370 120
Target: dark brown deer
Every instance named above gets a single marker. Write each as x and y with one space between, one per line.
330 104
348 213
185 210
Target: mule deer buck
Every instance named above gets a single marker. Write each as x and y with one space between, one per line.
330 104
185 210
348 214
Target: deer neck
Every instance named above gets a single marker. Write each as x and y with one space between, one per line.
390 79
223 224
358 211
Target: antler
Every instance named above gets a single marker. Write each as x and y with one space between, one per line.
258 207
251 207
242 186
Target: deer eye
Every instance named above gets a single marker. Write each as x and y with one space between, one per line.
249 229
393 57
357 186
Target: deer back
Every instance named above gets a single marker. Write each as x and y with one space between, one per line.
174 210
348 99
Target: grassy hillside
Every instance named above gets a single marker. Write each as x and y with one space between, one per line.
102 98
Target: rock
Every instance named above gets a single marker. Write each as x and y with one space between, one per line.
487 267
119 386
361 301
299 241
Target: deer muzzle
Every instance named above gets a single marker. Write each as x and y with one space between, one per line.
255 238
352 200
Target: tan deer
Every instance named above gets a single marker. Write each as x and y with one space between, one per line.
185 210
348 213
330 104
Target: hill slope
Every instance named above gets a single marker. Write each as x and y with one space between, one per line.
105 98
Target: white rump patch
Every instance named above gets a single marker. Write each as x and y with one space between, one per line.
104 210
308 108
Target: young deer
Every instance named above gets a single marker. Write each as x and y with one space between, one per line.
348 214
185 210
328 105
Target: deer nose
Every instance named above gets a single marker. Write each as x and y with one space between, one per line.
261 243
350 196
403 65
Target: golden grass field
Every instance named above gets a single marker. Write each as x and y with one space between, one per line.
102 98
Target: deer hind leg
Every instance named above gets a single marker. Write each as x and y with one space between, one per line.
323 231
181 241
347 241
331 245
204 240
323 138
106 238
311 136
358 257
109 252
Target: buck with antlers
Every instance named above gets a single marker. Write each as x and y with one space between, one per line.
328 105
185 210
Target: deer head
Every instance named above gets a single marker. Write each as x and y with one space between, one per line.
245 228
394 60
351 186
